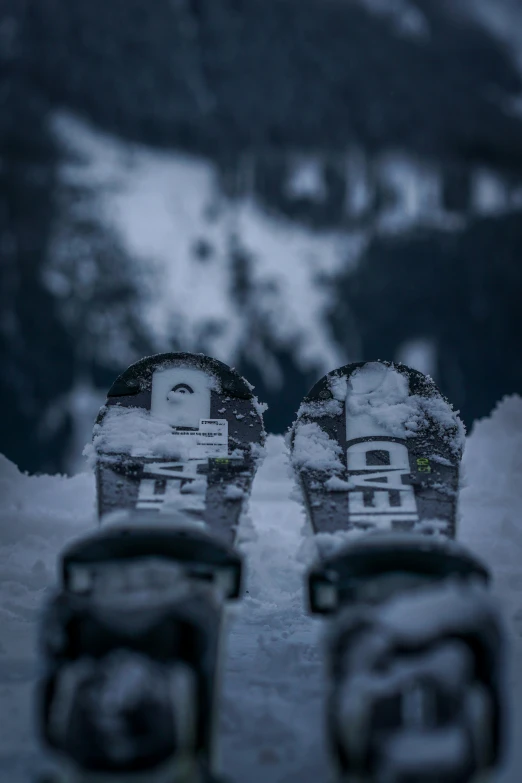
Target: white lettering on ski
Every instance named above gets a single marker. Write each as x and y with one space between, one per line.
382 497
172 486
175 470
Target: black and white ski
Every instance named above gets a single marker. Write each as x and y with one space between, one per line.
413 649
179 436
131 640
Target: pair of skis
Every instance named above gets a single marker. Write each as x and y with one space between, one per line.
131 639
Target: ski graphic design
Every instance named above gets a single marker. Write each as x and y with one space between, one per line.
378 449
132 639
414 643
179 436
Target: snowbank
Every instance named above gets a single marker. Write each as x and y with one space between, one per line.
39 515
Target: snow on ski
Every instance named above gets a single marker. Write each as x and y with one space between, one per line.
132 639
414 645
367 439
179 436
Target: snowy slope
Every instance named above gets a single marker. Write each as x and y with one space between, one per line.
180 233
503 18
271 724
217 270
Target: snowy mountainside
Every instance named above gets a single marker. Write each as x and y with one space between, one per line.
235 251
273 690
184 242
503 18
218 268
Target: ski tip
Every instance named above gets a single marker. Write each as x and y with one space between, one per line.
138 377
402 401
376 374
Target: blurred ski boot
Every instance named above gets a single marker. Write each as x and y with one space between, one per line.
131 650
414 657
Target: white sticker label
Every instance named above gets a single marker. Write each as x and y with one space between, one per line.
181 396
209 440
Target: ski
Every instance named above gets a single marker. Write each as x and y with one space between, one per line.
414 642
131 639
178 435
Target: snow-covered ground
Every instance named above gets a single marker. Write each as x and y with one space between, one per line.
271 724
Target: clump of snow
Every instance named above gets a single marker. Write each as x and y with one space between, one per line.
440 460
257 452
450 426
247 383
194 487
336 484
260 407
134 431
338 387
233 492
331 544
316 409
313 448
379 401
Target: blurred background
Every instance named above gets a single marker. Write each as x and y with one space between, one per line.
287 185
